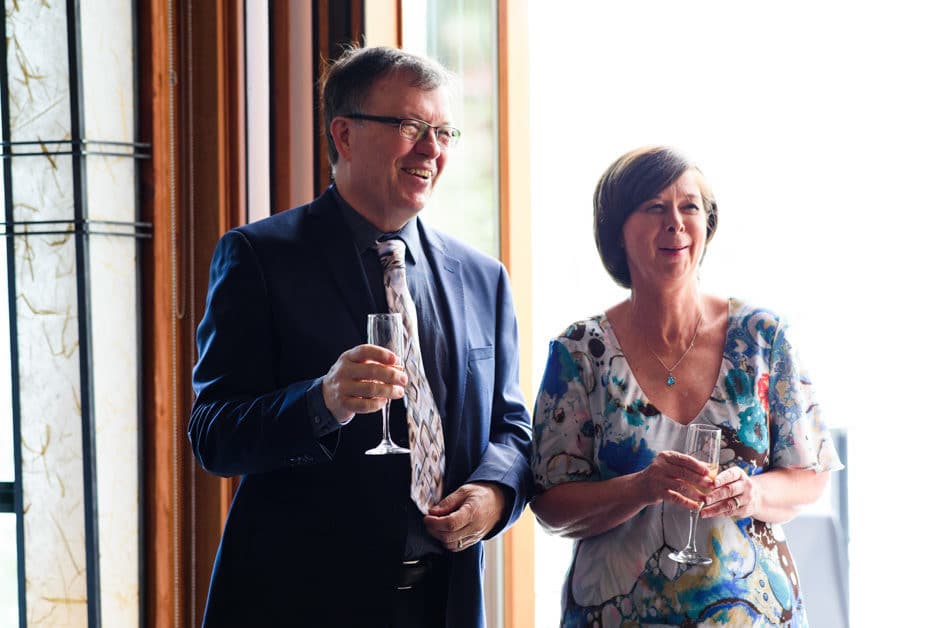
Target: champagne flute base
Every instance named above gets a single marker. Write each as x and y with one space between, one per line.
386 448
690 558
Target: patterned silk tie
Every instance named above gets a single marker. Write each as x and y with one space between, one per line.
425 433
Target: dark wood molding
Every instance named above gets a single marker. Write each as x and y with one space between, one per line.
192 112
160 593
292 103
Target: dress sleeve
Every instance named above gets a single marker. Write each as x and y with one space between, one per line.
799 437
563 438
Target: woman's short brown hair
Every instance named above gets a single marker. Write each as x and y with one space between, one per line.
631 180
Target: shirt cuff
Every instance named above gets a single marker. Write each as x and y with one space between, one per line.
321 419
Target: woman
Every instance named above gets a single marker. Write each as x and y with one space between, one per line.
618 393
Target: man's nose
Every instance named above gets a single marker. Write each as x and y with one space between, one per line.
428 144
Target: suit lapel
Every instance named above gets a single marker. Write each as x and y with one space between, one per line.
333 245
447 271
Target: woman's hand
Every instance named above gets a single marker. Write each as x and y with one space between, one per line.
734 495
774 496
672 476
578 510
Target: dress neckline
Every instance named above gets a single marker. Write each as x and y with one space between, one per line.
608 330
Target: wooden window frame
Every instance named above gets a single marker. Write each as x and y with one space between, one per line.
516 253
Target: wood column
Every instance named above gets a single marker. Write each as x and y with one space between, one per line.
192 111
160 595
304 37
516 254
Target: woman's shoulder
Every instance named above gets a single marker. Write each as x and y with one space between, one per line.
747 315
753 331
583 332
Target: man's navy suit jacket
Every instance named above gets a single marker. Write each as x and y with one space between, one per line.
316 530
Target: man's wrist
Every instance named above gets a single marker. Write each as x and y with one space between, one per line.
321 419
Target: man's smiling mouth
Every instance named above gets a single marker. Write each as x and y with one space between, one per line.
419 172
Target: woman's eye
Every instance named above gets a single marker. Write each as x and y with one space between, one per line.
691 208
654 209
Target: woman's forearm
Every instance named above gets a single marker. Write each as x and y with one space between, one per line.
782 492
579 510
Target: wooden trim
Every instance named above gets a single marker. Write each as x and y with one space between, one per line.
323 172
160 595
213 201
293 126
235 119
192 190
356 19
336 23
516 253
382 23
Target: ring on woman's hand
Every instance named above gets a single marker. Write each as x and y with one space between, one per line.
459 543
737 504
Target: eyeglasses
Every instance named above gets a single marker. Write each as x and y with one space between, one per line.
414 130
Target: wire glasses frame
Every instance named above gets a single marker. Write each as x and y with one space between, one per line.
414 130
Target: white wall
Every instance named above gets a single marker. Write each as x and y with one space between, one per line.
817 125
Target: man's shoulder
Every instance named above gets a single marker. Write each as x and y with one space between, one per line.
289 223
457 249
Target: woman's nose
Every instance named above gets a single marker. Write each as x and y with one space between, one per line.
672 221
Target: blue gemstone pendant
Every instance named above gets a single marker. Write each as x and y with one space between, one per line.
670 380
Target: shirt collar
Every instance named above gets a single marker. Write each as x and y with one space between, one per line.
365 234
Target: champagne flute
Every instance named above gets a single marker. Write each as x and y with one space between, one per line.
385 330
702 442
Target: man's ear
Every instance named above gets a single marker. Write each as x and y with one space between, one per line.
339 131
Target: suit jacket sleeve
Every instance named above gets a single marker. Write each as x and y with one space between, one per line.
241 421
506 458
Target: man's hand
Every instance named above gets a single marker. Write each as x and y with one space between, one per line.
361 381
466 516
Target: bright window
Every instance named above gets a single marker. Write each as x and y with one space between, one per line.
462 36
817 125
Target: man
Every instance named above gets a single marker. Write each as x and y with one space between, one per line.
287 390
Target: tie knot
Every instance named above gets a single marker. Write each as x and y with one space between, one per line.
391 252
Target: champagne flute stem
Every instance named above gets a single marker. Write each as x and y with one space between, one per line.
385 412
693 524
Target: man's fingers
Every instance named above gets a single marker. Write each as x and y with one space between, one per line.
371 353
371 389
447 505
361 381
371 372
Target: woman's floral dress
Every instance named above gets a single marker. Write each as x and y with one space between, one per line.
593 422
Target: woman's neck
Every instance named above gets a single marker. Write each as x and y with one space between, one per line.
667 318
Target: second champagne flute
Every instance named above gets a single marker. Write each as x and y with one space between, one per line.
385 330
702 442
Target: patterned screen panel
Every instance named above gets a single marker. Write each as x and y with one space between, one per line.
46 304
110 194
70 214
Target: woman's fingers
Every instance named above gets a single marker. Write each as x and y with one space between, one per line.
732 497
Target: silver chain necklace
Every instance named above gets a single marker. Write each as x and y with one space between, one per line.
670 378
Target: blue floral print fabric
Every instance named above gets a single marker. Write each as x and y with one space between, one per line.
592 422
